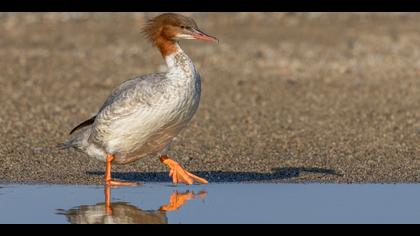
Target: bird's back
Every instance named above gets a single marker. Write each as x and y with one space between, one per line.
123 101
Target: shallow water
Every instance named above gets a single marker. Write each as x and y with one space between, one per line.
214 203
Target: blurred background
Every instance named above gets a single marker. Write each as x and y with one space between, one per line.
287 97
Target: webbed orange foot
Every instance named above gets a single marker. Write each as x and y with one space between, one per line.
179 199
179 174
114 183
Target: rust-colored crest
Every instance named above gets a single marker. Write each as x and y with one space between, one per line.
162 30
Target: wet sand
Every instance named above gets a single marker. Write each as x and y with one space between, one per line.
286 97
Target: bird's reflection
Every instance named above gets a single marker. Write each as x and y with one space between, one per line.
124 213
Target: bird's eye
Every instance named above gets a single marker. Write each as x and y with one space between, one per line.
185 27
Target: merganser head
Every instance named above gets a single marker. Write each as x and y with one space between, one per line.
166 29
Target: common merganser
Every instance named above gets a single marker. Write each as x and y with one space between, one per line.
143 115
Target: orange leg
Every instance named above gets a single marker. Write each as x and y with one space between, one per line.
108 180
108 207
179 174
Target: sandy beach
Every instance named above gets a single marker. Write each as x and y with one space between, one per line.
330 98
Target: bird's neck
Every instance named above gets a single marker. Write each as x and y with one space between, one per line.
165 46
178 62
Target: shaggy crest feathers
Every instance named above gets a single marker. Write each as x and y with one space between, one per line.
166 25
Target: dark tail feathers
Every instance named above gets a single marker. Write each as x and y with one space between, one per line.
84 124
63 146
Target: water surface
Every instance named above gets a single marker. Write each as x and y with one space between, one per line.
214 203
